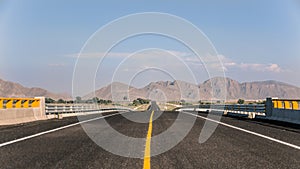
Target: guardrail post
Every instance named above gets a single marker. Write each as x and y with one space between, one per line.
269 107
251 115
225 112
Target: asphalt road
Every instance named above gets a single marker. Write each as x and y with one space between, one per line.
226 148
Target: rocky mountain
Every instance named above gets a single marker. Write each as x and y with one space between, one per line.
11 89
249 90
170 91
211 89
118 91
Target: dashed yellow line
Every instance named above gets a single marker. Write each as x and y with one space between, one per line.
147 155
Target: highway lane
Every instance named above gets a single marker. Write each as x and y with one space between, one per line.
227 148
11 132
71 148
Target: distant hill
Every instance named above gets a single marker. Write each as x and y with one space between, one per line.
252 90
177 90
169 91
11 89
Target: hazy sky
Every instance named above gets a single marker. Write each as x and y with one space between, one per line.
256 40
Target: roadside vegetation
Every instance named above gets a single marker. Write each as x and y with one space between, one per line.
139 101
79 100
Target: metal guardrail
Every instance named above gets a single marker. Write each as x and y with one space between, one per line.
76 108
261 108
290 104
9 103
258 108
251 109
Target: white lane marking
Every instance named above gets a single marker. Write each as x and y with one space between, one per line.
56 129
248 131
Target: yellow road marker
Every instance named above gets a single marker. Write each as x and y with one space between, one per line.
147 155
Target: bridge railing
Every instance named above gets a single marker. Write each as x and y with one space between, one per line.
287 110
21 110
260 108
251 110
76 108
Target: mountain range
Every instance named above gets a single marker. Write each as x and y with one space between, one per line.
170 90
11 89
178 90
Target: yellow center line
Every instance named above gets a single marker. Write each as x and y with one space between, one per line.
147 155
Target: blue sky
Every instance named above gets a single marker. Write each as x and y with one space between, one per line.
255 40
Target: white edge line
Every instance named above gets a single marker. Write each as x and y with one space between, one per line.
56 129
247 131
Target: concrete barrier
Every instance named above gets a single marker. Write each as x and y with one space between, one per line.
21 110
287 110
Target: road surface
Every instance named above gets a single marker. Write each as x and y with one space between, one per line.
231 145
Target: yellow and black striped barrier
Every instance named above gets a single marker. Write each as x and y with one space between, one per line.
286 104
9 103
